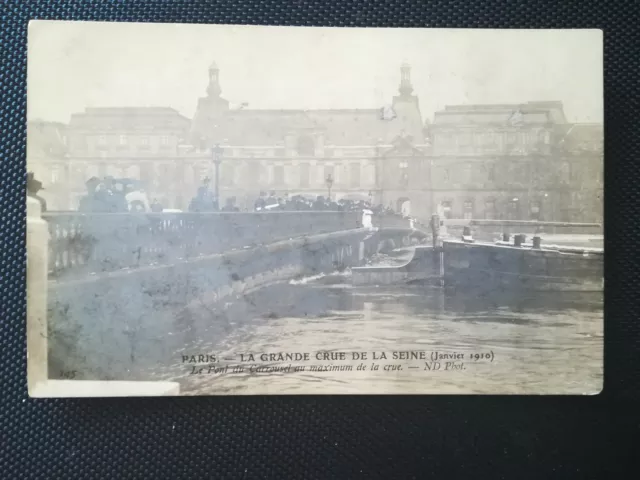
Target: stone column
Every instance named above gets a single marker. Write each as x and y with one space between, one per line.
38 382
37 268
319 145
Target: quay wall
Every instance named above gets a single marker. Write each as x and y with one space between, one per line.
489 230
489 268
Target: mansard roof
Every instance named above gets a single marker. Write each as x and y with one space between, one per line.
530 113
130 118
341 127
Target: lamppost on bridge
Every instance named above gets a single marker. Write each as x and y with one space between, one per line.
329 182
216 158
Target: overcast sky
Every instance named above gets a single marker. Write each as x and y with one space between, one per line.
73 65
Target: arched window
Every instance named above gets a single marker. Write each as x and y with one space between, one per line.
79 174
513 209
263 175
468 209
543 137
490 171
251 173
278 175
404 173
164 176
565 172
354 175
535 210
446 209
304 175
306 146
490 209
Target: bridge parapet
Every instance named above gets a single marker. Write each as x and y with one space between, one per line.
82 244
391 221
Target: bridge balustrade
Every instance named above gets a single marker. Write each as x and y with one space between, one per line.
490 229
103 242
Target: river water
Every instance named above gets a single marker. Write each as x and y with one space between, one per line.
538 343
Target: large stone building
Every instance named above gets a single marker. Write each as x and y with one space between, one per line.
515 162
140 143
295 151
473 161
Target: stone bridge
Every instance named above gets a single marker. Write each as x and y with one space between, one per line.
82 245
106 291
115 281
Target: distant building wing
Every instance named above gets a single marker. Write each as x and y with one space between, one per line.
46 139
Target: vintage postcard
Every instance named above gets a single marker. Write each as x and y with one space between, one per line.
241 210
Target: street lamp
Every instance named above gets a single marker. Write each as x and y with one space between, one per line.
329 182
216 158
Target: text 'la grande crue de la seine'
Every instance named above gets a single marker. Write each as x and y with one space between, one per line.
334 361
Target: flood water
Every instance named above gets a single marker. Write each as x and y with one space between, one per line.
538 343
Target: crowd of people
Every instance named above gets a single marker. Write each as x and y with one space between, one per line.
319 203
205 201
111 195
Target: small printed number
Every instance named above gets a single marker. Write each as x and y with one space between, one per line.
68 374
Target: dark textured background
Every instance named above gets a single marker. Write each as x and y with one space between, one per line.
333 437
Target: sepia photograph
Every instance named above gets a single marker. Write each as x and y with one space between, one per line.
251 210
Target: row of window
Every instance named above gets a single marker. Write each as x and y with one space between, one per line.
305 148
516 173
304 172
165 174
259 174
492 139
465 174
123 141
510 210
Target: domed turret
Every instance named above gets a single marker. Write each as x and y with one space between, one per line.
406 88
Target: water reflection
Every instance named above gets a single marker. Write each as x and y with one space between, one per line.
543 342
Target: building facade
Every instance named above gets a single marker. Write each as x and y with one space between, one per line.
295 152
139 143
516 162
472 161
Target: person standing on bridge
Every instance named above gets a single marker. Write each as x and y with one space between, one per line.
87 201
435 229
203 201
156 206
107 200
33 187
